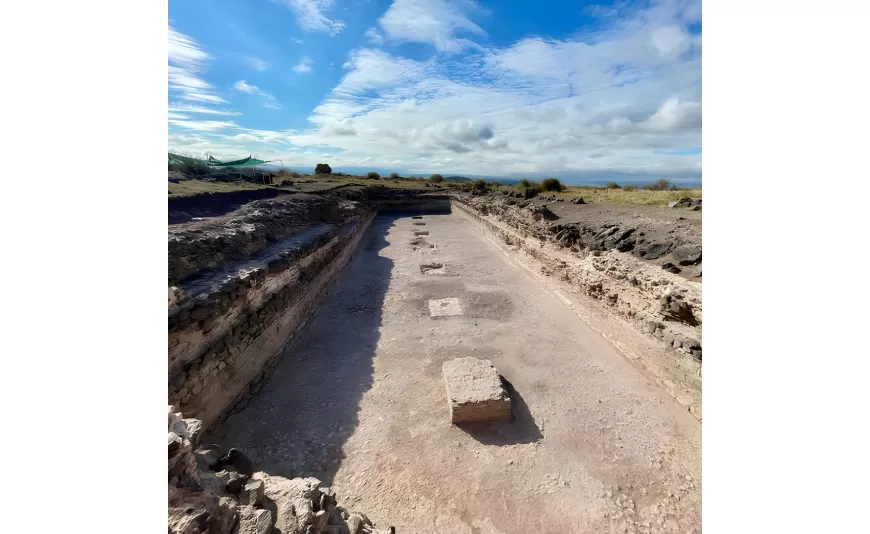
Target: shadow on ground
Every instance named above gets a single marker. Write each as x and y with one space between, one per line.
522 429
297 424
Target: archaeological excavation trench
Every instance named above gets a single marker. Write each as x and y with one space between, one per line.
308 334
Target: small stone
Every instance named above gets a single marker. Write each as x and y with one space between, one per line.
690 344
671 268
688 254
656 250
209 456
320 519
356 521
194 430
253 521
685 401
235 483
238 461
252 493
175 443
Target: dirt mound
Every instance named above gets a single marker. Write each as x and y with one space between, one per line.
647 232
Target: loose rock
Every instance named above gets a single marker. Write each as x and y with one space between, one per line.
474 391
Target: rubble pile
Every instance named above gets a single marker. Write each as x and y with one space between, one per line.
218 491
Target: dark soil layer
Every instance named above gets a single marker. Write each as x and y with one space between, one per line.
183 209
667 237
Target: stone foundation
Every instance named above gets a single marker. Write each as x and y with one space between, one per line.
474 391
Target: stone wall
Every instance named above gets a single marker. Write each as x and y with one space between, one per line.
207 244
223 341
661 310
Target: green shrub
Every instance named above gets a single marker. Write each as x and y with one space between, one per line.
480 185
373 176
551 184
525 183
675 188
660 185
394 176
194 168
612 185
436 178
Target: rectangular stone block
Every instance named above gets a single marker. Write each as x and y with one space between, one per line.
474 391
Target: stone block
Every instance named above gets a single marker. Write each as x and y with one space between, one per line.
474 391
252 493
253 521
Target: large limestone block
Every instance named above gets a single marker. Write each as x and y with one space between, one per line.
474 391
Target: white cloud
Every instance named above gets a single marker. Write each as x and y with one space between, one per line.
435 22
258 63
245 87
374 69
203 126
199 109
670 41
187 61
675 115
296 41
310 17
304 66
617 100
374 36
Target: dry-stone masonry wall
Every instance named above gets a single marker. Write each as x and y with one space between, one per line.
225 338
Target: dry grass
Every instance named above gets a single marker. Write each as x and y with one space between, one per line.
621 196
595 194
189 188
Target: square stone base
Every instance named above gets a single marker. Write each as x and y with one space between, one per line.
474 391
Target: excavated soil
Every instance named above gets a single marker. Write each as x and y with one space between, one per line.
359 401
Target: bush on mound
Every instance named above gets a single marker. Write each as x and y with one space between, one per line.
551 184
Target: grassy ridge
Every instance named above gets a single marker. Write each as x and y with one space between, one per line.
595 194
620 196
189 188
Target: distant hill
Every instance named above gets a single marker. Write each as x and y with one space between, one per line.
457 179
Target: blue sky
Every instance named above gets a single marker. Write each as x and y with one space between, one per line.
584 91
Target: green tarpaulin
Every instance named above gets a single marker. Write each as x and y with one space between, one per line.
175 159
246 162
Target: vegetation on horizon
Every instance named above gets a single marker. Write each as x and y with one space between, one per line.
551 185
658 193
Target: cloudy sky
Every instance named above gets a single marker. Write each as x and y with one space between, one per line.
584 91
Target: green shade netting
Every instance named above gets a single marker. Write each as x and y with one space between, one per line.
245 162
175 159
